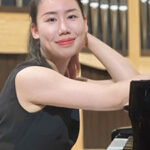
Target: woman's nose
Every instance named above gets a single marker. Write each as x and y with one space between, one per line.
63 27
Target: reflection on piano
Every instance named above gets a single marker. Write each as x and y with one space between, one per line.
121 139
137 137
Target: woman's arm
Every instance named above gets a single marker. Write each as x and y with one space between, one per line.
41 86
118 66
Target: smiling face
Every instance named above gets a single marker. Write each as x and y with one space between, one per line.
61 28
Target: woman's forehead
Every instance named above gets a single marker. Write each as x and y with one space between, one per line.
55 5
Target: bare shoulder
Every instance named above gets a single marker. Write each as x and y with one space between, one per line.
36 76
33 72
28 81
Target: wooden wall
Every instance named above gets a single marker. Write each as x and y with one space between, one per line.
13 32
7 63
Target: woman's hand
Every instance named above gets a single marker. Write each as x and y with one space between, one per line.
86 40
73 67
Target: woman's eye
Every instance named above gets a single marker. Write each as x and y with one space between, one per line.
72 17
51 20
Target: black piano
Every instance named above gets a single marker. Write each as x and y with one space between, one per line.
138 136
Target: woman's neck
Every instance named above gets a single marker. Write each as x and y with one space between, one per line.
59 65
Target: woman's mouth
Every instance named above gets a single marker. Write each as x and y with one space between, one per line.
65 42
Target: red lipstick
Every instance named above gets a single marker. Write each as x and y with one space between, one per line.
66 42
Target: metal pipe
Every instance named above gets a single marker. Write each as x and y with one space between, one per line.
85 4
94 16
143 12
123 25
104 7
149 17
19 3
26 2
8 2
114 22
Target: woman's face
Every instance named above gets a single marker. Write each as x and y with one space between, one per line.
61 28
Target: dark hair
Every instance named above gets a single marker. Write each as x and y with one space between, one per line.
34 44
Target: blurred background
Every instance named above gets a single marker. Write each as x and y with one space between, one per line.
122 24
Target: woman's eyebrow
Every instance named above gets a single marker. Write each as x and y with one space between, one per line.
55 12
70 10
49 13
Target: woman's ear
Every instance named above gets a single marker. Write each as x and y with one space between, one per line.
34 31
86 26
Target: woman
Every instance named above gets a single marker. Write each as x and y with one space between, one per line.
40 100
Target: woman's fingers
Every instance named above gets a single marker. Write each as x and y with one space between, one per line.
73 67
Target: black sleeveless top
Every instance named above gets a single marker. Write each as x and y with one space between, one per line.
52 128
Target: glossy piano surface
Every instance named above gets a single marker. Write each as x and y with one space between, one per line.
139 113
